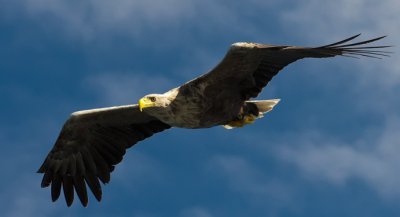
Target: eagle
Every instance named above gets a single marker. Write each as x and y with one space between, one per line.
92 142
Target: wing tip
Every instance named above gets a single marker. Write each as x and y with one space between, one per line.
356 49
69 203
342 42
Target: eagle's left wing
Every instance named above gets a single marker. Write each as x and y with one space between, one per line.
248 67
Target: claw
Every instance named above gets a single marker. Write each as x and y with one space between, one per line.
241 121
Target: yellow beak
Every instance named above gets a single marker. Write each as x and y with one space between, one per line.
145 103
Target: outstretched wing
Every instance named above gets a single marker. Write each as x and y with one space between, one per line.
248 67
91 142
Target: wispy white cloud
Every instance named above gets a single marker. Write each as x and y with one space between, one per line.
126 88
244 177
333 20
93 19
86 19
338 17
373 159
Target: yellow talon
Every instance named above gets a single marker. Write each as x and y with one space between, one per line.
248 119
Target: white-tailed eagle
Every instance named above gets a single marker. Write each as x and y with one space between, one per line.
92 142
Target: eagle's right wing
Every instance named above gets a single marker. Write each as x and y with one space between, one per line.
91 142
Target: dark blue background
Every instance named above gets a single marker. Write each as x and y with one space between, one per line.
330 147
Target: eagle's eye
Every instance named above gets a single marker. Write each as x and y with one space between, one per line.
152 98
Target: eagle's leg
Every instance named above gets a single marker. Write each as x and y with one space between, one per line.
241 121
251 111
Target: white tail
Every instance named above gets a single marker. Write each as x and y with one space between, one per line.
264 106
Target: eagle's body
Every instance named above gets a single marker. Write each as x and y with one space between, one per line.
193 108
93 141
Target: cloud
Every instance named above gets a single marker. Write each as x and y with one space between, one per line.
125 88
338 19
244 177
320 153
89 18
373 159
92 19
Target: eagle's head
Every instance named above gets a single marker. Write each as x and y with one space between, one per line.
154 102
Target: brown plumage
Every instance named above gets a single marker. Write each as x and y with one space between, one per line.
92 142
89 145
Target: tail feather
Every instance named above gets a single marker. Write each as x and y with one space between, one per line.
264 106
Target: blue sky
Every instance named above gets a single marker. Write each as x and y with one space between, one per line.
330 148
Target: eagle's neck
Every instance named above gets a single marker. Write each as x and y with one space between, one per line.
184 109
164 113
